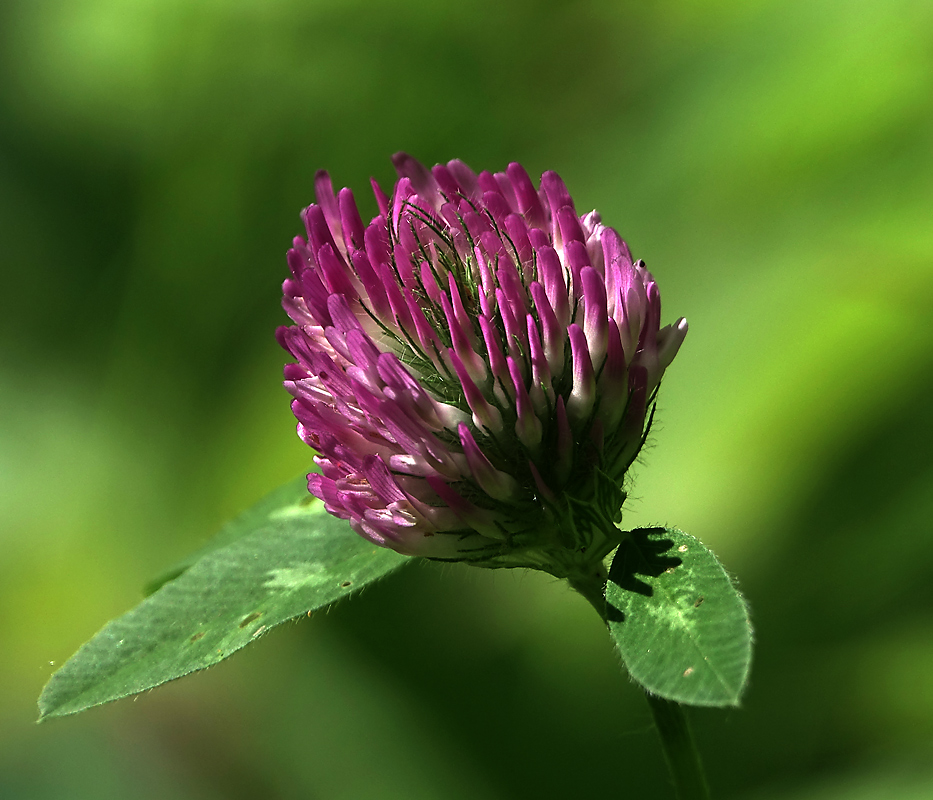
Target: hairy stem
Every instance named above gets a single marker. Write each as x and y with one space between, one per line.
680 751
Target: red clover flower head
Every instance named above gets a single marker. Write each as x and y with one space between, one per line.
475 367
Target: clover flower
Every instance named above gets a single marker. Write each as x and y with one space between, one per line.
475 367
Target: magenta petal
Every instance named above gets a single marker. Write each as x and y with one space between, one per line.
428 281
613 380
420 176
376 242
496 360
514 333
633 424
551 276
463 319
507 191
487 182
326 491
527 424
670 338
397 303
402 388
596 315
335 272
462 345
570 230
318 230
471 515
576 257
497 484
477 225
375 290
446 182
556 192
529 203
580 402
517 233
324 192
416 438
382 199
514 290
340 312
485 416
402 261
350 222
552 333
541 388
312 289
401 204
647 339
497 206
539 238
465 177
487 282
430 343
381 480
364 354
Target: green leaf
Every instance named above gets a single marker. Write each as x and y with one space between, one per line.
680 625
283 558
272 506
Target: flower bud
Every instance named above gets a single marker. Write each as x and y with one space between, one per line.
475 368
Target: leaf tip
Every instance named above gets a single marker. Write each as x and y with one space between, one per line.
46 709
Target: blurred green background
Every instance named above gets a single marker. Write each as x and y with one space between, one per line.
773 164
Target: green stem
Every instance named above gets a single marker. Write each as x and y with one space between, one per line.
593 588
680 750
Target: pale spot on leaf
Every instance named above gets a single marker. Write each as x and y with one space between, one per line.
297 577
